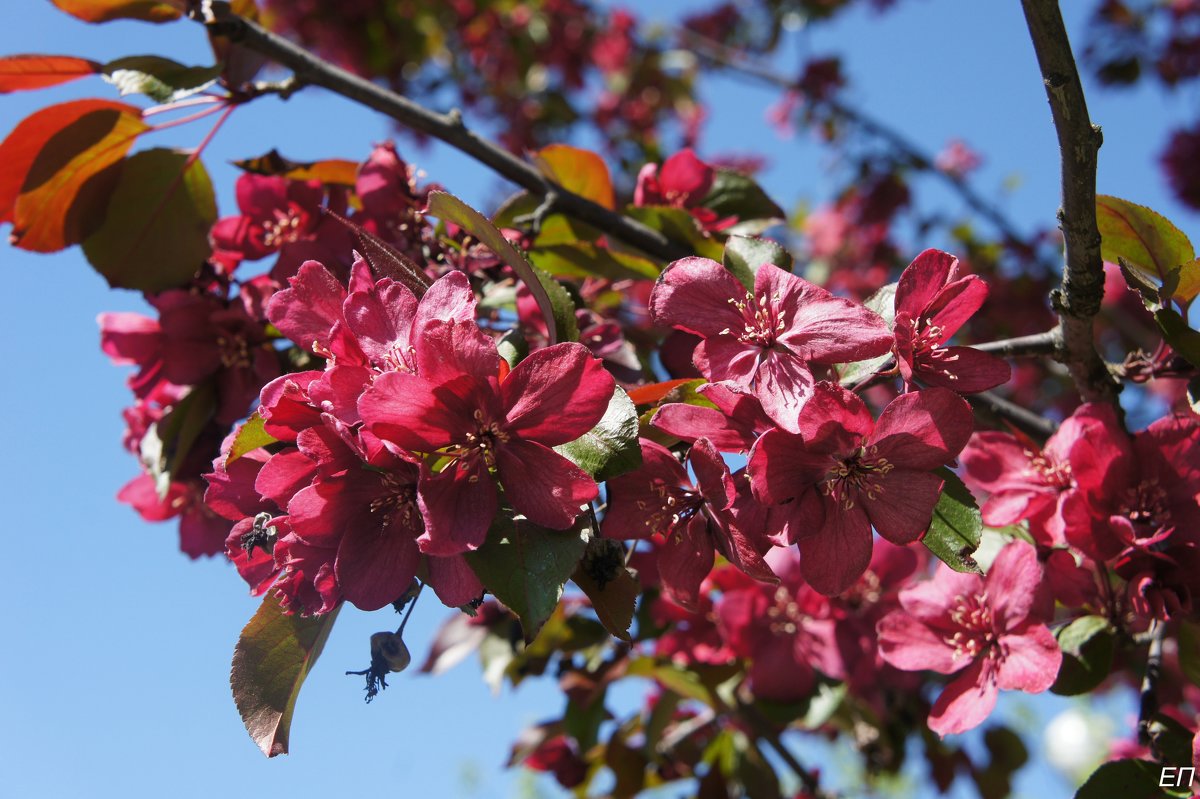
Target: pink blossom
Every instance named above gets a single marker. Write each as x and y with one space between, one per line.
765 339
931 304
683 181
844 474
694 518
987 630
458 407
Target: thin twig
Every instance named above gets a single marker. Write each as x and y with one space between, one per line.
723 56
1149 696
1024 419
1077 301
1047 343
765 730
220 21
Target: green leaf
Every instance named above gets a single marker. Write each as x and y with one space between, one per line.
155 235
273 656
512 347
1087 644
1126 779
583 259
611 447
679 226
956 529
526 566
552 299
612 588
1189 651
684 682
250 436
1176 332
169 441
744 255
735 194
160 79
1150 244
882 302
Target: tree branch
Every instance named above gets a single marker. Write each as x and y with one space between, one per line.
1026 420
1048 343
308 69
1078 299
718 54
764 730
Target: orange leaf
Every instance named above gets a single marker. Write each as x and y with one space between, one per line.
331 172
652 393
107 10
580 171
19 72
46 164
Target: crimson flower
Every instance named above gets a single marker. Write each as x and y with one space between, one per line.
274 211
695 518
683 181
364 504
931 304
786 631
733 426
989 630
1025 481
844 474
765 339
458 408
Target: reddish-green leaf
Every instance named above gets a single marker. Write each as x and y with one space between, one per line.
552 299
155 235
21 72
580 171
108 10
273 656
1151 246
54 170
332 171
250 436
652 393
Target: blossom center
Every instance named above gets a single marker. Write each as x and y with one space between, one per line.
976 634
675 504
483 442
761 323
235 351
395 497
285 228
855 474
1145 505
1049 471
784 617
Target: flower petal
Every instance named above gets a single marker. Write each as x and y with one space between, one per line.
908 644
695 294
458 505
967 701
556 394
838 555
924 429
903 504
1029 660
376 564
542 484
922 280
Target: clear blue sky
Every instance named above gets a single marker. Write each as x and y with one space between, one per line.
113 671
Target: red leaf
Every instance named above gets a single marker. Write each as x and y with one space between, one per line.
46 162
20 72
579 171
648 395
107 10
273 656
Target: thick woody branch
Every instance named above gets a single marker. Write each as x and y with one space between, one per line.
1148 704
447 127
1078 299
1022 418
